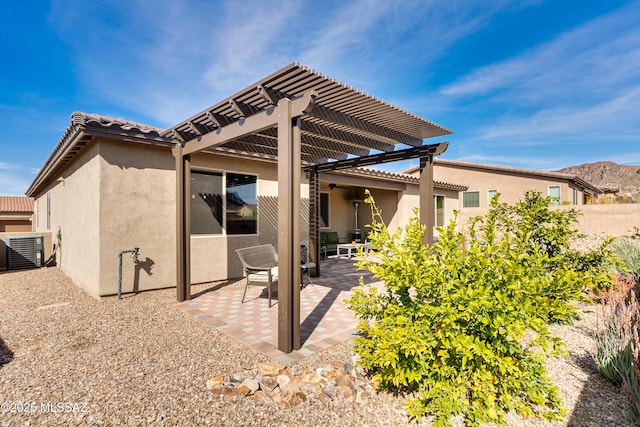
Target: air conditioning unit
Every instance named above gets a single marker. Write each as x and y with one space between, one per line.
25 252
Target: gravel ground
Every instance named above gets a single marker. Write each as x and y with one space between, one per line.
139 362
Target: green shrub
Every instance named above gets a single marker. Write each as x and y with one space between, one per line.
463 325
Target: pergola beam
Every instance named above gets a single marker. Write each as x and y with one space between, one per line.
314 152
335 134
375 159
326 114
247 126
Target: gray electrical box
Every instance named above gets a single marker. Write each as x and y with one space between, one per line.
25 252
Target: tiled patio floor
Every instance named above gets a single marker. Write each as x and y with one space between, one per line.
325 320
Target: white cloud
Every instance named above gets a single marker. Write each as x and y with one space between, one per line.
589 60
617 116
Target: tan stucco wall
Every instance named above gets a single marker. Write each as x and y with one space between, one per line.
75 212
119 195
137 206
614 220
511 186
11 223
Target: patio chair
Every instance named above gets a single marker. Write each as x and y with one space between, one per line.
261 267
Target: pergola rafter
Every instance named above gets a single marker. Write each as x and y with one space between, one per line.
298 118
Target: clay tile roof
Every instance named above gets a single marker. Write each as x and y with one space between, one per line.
78 134
16 204
398 176
534 172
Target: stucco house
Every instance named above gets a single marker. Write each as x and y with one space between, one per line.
484 181
16 213
111 184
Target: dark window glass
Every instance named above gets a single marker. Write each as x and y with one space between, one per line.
206 203
242 204
324 210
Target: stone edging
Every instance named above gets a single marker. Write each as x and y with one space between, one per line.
271 380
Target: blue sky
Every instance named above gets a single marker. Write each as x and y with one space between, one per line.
534 84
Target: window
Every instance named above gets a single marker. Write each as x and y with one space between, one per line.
49 210
575 196
554 191
439 205
490 195
242 204
240 213
471 199
206 202
324 210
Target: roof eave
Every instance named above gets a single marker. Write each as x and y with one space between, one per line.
74 133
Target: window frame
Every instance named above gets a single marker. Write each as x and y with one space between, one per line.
435 208
224 173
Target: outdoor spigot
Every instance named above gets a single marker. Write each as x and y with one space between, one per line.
134 255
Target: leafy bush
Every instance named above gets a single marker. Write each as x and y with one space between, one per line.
463 325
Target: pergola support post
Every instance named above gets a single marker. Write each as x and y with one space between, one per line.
426 198
183 224
289 273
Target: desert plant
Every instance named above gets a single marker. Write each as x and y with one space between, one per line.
628 250
617 352
463 325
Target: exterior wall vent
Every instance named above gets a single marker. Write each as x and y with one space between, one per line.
25 252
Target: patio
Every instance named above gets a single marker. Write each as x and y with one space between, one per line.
325 320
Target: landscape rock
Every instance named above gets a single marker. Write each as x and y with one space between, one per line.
270 368
251 384
338 380
267 384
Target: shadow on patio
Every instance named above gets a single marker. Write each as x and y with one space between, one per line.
325 320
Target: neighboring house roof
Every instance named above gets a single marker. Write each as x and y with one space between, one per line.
16 204
82 129
397 176
609 190
533 172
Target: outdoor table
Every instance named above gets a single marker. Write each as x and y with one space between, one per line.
349 249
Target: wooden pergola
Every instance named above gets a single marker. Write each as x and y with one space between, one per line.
301 120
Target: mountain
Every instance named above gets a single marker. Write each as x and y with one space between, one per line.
609 175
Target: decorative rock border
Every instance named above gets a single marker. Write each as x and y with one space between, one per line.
272 380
